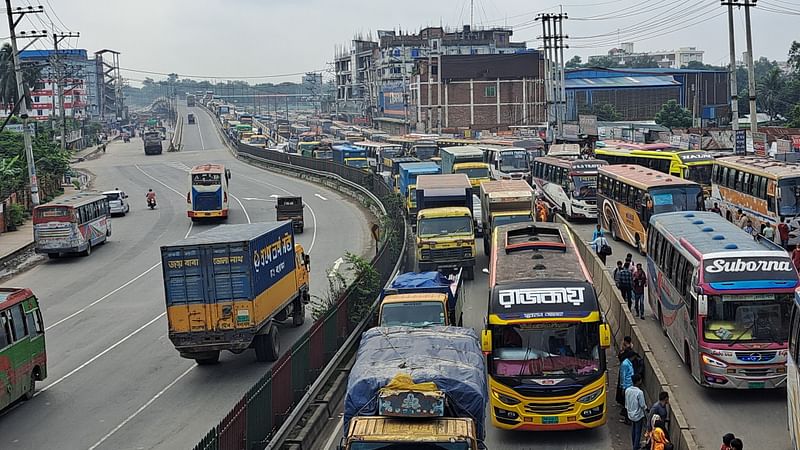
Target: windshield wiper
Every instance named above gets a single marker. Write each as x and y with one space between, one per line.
741 335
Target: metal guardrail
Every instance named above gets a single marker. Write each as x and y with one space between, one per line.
269 410
177 136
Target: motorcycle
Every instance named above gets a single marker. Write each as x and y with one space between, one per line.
126 139
151 203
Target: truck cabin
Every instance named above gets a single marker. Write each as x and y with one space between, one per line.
413 310
190 118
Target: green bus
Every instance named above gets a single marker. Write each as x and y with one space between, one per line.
23 360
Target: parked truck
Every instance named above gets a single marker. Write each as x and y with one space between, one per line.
408 183
152 142
351 156
422 299
466 159
291 208
226 289
416 388
445 228
504 202
190 118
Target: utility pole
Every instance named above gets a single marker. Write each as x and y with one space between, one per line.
751 76
553 43
23 107
734 83
58 66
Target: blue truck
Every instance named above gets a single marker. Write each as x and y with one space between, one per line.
420 299
227 287
408 183
351 156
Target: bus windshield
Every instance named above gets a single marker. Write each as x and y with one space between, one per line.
748 318
52 212
585 187
700 173
444 226
475 172
665 200
323 154
514 161
412 314
789 204
408 446
546 350
206 179
508 220
357 163
425 152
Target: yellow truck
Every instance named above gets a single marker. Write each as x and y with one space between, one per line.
466 159
504 202
445 229
437 400
423 299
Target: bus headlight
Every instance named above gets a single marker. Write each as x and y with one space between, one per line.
511 401
591 396
711 361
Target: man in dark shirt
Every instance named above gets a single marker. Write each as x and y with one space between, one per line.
625 282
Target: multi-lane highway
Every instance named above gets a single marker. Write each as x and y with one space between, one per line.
757 416
114 379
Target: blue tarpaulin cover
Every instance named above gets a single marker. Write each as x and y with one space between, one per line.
419 282
448 356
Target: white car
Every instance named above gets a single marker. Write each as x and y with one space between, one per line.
117 202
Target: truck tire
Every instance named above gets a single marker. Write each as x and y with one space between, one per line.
268 345
469 273
299 314
208 359
485 246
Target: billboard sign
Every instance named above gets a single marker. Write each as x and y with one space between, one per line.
392 100
783 146
741 142
588 125
760 143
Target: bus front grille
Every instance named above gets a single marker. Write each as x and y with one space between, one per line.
549 408
54 233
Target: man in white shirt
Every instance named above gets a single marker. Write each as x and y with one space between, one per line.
637 410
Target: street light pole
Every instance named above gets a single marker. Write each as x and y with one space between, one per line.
23 107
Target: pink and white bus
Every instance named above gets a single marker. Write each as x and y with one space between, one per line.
723 298
71 224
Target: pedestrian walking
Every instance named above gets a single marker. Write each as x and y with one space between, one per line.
615 274
637 410
726 441
597 232
783 233
716 209
629 260
748 228
625 279
736 444
659 438
768 232
659 409
639 283
601 247
623 355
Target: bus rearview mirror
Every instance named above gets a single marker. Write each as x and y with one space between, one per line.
486 341
605 335
702 305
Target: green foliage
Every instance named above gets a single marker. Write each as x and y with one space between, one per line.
392 224
365 289
672 115
794 117
606 112
575 62
324 304
697 65
51 162
770 92
17 214
8 76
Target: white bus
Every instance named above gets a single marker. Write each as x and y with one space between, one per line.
568 184
507 163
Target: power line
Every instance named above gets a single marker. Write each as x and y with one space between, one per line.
56 14
219 77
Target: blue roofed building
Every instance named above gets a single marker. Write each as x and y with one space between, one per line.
638 94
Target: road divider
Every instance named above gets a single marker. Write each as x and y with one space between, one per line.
623 323
292 395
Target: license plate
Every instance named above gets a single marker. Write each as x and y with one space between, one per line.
755 385
550 420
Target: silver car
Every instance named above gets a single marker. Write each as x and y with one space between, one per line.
117 202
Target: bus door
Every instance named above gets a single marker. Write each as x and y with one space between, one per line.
17 358
6 366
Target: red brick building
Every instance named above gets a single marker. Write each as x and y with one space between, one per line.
478 92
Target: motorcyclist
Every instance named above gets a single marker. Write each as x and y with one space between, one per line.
151 197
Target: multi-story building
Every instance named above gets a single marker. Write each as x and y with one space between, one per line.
666 59
391 62
353 69
453 93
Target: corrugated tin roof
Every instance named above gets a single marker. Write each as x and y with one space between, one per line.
622 82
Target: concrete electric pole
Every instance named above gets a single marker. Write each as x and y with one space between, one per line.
553 44
61 75
734 83
14 17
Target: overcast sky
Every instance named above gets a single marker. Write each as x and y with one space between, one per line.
238 38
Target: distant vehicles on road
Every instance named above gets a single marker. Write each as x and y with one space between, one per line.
117 202
152 142
191 119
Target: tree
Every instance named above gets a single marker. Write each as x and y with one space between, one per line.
574 62
606 112
672 115
641 61
608 61
794 117
8 76
697 65
794 57
770 92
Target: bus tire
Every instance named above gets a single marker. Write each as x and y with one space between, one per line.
208 359
299 313
88 250
638 245
268 345
687 359
613 227
53 255
564 213
31 386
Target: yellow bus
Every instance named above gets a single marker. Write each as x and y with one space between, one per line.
627 195
692 165
545 339
766 190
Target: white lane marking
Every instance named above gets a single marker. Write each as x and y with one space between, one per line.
200 130
141 408
336 265
97 356
334 435
313 215
183 195
131 281
254 199
247 216
321 197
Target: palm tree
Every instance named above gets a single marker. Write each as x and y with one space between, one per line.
771 87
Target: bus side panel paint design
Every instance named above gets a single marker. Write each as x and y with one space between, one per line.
25 357
627 221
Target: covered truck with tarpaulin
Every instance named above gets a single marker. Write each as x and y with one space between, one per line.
416 386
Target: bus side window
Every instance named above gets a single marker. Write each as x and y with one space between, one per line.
18 325
5 331
34 325
794 336
715 173
739 186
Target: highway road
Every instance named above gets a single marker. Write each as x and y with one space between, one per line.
757 417
114 379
